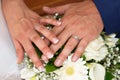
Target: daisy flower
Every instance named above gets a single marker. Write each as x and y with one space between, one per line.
73 70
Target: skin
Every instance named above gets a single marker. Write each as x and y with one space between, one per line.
80 19
25 26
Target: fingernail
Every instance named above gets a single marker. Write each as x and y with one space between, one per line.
44 59
49 55
55 40
59 23
58 62
41 68
74 58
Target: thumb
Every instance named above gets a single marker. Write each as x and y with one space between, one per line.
58 9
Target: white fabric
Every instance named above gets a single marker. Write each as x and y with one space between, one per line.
8 66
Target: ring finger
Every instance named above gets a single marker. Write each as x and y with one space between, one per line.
71 44
80 49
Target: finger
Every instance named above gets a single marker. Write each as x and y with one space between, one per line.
59 9
63 37
47 33
50 21
80 49
65 23
32 53
58 30
47 41
71 44
41 45
19 51
44 58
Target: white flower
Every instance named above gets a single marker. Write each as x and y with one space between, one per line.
27 73
97 71
111 40
73 70
96 50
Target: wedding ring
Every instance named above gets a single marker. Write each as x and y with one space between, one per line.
76 37
42 37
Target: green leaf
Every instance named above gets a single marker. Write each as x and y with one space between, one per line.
84 57
108 76
117 66
50 67
119 41
118 44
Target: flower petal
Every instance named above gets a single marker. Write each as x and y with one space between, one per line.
97 72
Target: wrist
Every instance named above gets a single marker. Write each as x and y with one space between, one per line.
5 2
8 3
12 0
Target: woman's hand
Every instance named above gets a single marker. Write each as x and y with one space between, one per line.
81 24
24 26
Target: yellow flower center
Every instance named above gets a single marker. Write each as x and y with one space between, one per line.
33 78
70 71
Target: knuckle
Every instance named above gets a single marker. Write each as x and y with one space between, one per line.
41 28
69 46
43 19
44 49
30 51
63 56
18 50
51 34
49 20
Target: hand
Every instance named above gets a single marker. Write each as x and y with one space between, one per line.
81 24
24 26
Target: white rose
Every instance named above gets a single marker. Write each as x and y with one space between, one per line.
97 71
111 40
96 50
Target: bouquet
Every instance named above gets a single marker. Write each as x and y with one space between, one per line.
100 61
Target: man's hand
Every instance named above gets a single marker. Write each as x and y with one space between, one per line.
81 24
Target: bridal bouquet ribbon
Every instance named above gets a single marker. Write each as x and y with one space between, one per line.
100 61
